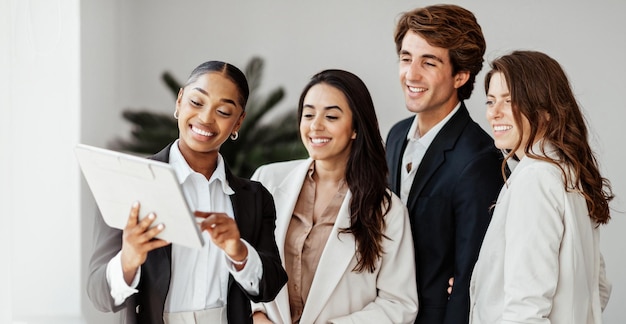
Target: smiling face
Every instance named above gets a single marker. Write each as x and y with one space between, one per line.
209 112
326 124
506 132
426 77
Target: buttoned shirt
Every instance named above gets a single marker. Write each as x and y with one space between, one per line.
199 278
415 149
305 241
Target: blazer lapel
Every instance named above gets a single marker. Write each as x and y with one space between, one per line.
396 149
243 214
338 253
285 197
435 154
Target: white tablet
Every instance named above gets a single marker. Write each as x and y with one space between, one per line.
117 180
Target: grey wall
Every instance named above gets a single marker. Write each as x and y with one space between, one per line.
126 45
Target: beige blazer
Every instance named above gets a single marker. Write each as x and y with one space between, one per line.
540 261
338 294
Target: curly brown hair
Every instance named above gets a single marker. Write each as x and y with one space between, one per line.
450 27
541 92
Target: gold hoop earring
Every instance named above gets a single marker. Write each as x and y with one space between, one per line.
234 136
176 114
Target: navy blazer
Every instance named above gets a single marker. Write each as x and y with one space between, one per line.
255 215
449 203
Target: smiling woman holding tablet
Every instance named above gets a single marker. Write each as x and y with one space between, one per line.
152 281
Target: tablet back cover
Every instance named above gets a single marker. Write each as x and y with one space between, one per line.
117 180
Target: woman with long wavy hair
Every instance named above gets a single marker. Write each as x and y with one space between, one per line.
540 261
344 238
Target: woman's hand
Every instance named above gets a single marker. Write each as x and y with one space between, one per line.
260 318
225 234
137 240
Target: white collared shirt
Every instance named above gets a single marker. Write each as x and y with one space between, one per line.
196 283
415 150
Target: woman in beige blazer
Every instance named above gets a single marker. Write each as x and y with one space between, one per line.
540 260
344 238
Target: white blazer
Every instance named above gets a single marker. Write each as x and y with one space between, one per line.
540 260
338 294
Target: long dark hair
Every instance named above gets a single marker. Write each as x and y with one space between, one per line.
366 171
540 91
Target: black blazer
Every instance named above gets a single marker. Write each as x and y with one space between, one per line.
449 204
255 215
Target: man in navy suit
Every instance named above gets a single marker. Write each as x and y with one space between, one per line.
442 164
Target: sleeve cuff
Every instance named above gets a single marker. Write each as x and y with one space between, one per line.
250 276
115 276
258 307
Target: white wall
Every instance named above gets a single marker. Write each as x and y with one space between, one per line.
101 110
47 104
6 236
40 91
